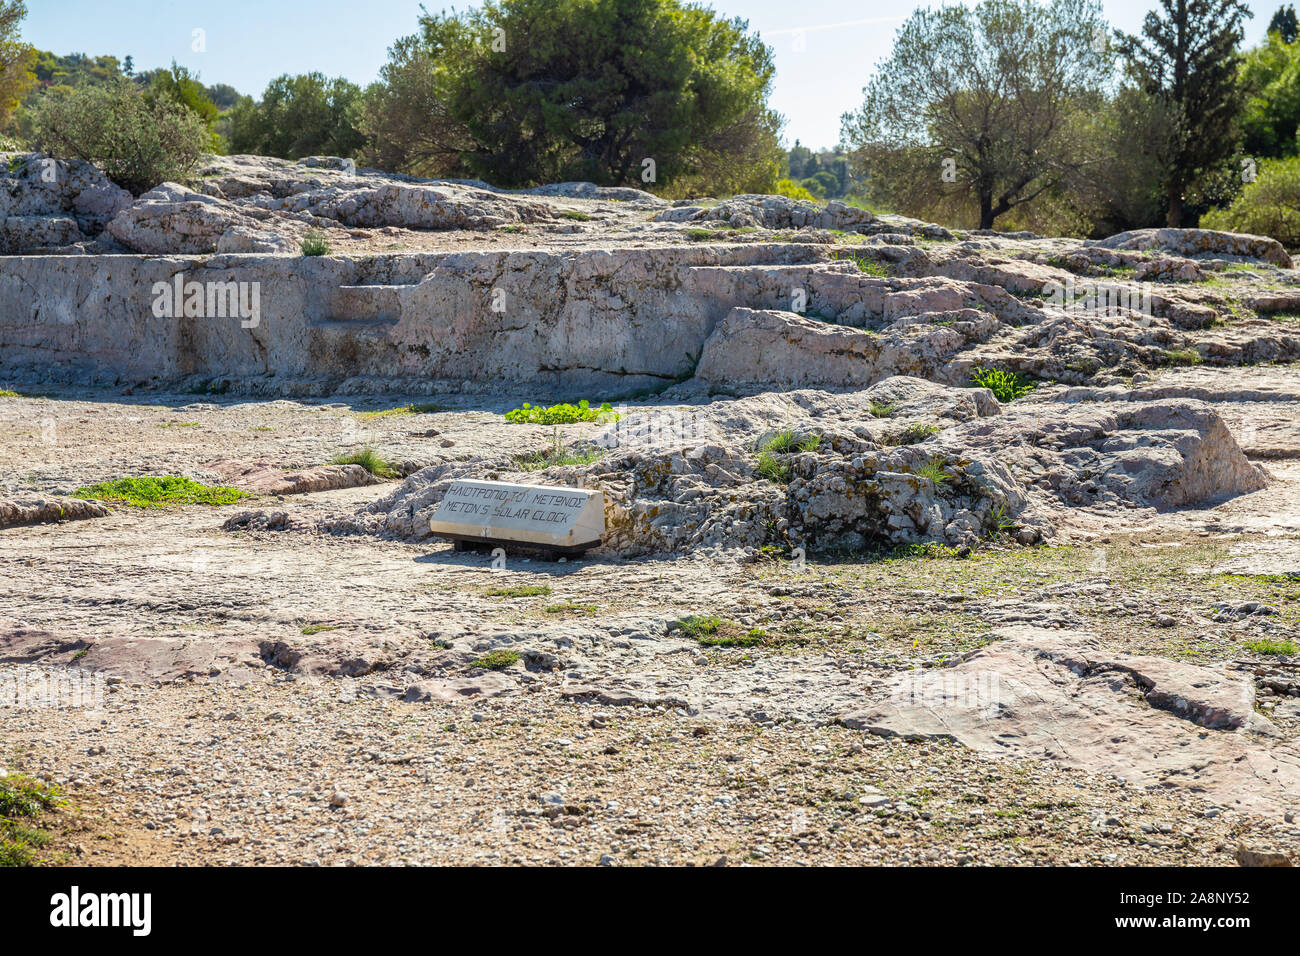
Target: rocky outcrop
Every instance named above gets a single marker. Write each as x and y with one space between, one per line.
1062 696
1165 454
903 462
772 212
1200 243
172 219
48 510
785 349
264 478
49 203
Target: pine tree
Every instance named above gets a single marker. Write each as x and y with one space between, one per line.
1187 58
1285 24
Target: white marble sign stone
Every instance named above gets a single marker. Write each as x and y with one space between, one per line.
500 512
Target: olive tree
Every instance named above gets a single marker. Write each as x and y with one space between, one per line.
978 109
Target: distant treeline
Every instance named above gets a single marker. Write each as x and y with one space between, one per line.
1008 113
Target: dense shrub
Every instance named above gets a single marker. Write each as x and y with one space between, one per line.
305 115
1270 206
649 93
788 187
138 141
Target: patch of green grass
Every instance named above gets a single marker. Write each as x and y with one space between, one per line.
570 608
787 440
497 660
562 414
1001 519
317 628
882 409
368 459
926 550
179 425
913 434
520 590
314 243
22 796
424 408
576 215
8 393
712 631
1183 357
557 454
1266 645
773 468
700 235
18 843
561 456
872 268
867 266
783 442
1006 386
152 491
699 625
21 799
936 469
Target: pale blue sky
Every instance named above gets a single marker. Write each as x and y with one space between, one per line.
248 42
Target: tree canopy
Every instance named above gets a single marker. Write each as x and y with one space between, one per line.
977 107
1186 57
298 116
627 92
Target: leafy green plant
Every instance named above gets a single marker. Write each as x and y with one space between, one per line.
873 268
1001 520
156 491
787 440
7 393
139 140
781 442
1005 386
562 414
1269 206
882 409
793 190
576 215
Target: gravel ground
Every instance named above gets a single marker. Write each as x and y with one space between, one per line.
293 698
